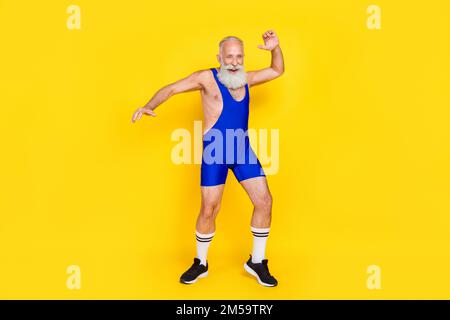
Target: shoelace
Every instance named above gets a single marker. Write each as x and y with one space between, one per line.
265 269
193 268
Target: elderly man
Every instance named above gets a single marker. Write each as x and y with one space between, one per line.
225 98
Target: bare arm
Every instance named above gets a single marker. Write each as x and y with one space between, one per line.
276 68
190 83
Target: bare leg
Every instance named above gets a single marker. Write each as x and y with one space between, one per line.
211 199
259 193
205 230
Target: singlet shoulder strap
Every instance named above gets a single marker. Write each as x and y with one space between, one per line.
220 84
214 71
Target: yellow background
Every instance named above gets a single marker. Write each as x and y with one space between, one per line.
364 129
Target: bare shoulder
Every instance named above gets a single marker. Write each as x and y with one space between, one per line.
197 80
250 76
204 77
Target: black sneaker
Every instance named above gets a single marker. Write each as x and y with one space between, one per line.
195 272
261 272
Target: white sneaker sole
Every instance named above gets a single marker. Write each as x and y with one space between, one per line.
201 275
253 273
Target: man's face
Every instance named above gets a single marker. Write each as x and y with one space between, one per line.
231 58
232 55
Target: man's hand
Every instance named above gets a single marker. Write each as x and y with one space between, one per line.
270 40
276 68
139 112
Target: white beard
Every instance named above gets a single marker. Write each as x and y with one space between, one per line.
232 81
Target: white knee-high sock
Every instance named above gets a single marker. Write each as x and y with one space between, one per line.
259 243
203 242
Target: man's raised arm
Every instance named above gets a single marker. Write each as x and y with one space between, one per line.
190 83
276 68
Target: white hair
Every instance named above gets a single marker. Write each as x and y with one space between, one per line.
228 39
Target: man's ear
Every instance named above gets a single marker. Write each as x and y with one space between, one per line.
218 58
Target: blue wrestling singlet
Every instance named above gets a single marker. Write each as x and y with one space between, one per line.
226 145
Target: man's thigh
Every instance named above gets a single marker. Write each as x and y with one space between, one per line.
212 195
256 188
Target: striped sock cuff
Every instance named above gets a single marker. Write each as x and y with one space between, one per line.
204 237
260 232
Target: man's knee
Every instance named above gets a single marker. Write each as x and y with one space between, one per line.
209 209
264 202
